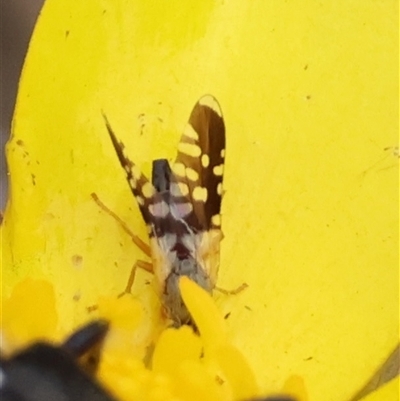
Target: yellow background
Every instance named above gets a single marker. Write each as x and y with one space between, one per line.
309 92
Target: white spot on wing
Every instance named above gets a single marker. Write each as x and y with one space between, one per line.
179 169
189 149
180 210
190 132
179 189
210 102
200 194
136 172
147 190
219 189
132 183
169 240
159 209
205 160
216 220
140 200
218 170
193 175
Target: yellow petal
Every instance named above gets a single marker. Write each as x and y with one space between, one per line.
174 347
207 317
311 207
29 313
192 382
294 386
388 392
237 371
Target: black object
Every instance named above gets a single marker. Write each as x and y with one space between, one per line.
45 372
161 175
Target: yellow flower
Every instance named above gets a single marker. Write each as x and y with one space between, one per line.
184 365
309 214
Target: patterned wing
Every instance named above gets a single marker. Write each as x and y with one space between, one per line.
195 187
142 189
198 169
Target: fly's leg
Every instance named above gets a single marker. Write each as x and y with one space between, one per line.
142 265
147 266
136 240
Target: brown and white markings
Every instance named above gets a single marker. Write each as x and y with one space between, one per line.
182 207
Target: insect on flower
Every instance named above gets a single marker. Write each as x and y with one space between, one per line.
181 207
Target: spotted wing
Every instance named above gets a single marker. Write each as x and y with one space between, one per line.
142 189
198 168
195 192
